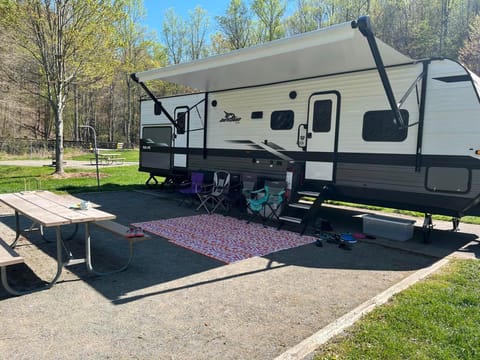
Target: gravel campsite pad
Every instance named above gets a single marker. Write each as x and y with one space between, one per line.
173 303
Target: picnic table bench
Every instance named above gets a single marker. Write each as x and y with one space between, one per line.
122 232
8 257
108 159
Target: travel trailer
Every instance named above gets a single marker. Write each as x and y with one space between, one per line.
336 112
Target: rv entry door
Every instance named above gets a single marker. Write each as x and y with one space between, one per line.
321 127
182 116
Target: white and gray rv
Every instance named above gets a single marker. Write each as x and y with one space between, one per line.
352 118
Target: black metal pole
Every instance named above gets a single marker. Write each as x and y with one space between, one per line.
95 149
363 24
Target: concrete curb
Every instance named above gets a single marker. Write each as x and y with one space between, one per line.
309 345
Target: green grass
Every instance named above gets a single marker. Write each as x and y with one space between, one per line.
465 219
438 318
20 178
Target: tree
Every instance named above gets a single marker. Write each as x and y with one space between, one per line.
70 41
470 52
197 32
309 16
219 44
174 34
236 24
269 13
136 51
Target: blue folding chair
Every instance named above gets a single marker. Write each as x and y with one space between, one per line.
256 203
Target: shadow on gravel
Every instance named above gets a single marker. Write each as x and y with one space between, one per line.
159 262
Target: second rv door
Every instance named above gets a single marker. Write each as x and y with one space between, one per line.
321 127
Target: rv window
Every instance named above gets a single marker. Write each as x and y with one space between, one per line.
181 120
281 120
381 126
322 116
157 135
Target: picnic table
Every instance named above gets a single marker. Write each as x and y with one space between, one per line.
107 159
51 210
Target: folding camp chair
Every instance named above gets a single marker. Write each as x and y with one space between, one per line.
234 197
249 184
220 186
276 199
193 188
256 203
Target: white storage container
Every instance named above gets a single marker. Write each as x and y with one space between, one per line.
388 227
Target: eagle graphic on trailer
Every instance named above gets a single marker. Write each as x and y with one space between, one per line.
346 116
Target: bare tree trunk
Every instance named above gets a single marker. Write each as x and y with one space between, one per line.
59 143
111 120
129 110
76 115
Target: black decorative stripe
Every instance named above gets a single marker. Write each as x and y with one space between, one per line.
274 146
355 158
240 141
452 79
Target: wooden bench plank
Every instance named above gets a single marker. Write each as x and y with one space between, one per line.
8 256
42 208
118 161
120 230
32 211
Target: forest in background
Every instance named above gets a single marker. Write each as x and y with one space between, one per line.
67 63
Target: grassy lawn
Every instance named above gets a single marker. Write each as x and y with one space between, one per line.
465 219
20 178
438 318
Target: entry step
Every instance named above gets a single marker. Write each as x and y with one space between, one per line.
291 219
301 205
309 193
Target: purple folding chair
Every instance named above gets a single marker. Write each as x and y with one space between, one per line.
193 188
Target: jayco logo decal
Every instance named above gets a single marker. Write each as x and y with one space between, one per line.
230 117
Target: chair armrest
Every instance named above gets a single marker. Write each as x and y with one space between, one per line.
206 188
235 187
257 191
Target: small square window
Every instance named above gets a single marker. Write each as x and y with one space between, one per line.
282 120
382 126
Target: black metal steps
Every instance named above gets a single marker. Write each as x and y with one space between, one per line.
302 209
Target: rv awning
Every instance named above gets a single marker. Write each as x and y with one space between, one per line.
332 50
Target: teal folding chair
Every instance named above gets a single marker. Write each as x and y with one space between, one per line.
276 199
257 202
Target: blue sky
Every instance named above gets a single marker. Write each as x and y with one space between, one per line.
155 10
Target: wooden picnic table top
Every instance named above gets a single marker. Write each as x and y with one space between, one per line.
108 154
49 209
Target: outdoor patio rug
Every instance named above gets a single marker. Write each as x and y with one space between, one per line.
224 238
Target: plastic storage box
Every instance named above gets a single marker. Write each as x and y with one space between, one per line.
388 227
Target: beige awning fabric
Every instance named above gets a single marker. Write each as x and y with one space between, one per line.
336 49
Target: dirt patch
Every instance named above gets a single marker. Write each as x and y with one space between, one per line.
76 175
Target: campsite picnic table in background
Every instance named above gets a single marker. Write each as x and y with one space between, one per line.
108 159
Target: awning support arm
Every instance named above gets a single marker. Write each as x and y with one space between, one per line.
363 24
156 101
410 89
